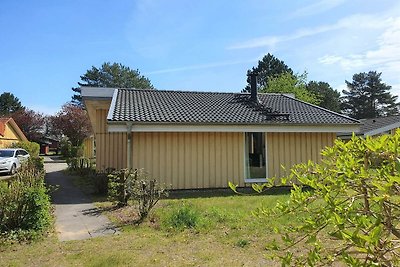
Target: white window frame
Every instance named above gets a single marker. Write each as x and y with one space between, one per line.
255 180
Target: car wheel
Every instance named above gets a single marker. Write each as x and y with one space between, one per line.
13 169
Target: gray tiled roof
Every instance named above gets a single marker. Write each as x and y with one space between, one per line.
156 106
376 123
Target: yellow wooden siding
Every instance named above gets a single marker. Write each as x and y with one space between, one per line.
88 147
190 160
10 137
110 147
201 159
287 149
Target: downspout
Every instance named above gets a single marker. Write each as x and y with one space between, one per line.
129 145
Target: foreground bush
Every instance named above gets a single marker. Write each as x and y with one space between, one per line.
31 147
352 212
118 183
24 204
146 192
80 165
125 185
70 151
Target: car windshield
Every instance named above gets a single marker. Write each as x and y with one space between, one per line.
6 153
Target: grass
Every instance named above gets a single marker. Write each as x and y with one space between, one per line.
227 233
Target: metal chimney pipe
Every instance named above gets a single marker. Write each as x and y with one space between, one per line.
253 86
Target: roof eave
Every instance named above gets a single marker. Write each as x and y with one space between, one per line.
122 126
382 129
96 92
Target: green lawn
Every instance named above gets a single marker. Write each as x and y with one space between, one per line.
227 233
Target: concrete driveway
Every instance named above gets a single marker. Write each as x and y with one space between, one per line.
76 216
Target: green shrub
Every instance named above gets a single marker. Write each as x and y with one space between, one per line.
66 148
80 165
100 182
24 204
77 151
124 185
36 162
31 147
183 217
146 192
351 215
118 183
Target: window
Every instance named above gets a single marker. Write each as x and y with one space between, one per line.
255 156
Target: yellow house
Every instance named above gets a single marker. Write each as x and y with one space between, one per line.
10 132
191 140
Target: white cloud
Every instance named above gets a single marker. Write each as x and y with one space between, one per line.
385 56
201 66
316 8
354 22
341 87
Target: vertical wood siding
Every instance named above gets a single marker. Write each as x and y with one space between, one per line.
287 149
110 147
190 160
201 159
88 147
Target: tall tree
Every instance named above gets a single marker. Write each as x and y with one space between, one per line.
73 122
368 97
111 75
268 67
9 104
32 123
292 84
329 98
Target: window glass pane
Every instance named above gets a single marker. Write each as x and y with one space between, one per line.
255 155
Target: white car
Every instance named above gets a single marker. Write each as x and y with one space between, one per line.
11 159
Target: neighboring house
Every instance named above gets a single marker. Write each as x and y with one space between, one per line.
49 143
190 140
10 133
375 126
379 126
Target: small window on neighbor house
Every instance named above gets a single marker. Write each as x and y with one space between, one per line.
255 155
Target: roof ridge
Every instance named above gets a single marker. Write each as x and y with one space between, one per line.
175 91
321 108
192 92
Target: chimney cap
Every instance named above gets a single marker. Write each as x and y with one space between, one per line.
252 73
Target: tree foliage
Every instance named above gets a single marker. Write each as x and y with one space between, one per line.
268 67
329 98
291 84
348 206
73 122
113 75
368 97
32 123
9 104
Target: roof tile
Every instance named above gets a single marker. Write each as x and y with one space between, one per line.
156 106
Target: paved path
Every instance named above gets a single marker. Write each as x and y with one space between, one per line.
76 216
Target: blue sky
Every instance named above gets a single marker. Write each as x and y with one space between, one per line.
191 45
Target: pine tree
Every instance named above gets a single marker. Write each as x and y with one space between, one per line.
268 67
368 97
329 98
113 75
9 104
